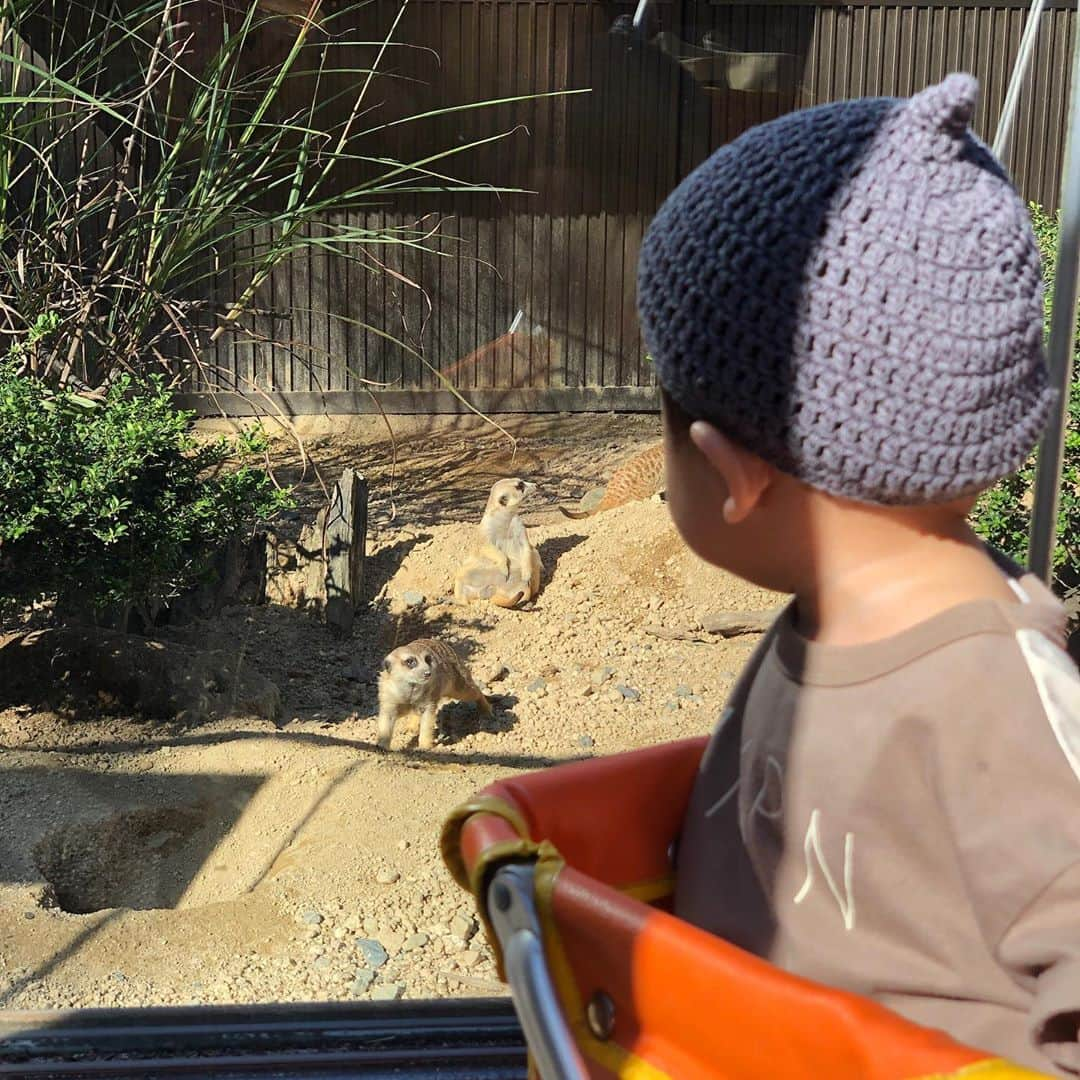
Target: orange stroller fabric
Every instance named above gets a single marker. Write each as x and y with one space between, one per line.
680 1002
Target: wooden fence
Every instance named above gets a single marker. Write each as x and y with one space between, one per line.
557 267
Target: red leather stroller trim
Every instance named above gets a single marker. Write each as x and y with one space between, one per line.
613 818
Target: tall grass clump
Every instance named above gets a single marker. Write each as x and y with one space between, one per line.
139 139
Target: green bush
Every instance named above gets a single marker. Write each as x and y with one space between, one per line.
1003 514
113 501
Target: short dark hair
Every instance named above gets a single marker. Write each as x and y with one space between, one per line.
677 419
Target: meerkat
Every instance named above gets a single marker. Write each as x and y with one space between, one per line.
418 678
640 478
505 569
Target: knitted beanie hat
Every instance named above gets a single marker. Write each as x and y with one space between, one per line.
853 292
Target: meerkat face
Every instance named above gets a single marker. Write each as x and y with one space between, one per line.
411 665
507 496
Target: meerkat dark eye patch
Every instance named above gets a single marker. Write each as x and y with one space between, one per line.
503 500
386 665
427 660
520 486
410 661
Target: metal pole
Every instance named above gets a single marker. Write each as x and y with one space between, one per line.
1062 335
1012 95
517 925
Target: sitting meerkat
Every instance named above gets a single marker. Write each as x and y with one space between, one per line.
418 678
506 567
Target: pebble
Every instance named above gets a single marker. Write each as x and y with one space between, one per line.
535 685
417 941
373 953
628 692
412 597
322 963
312 918
601 675
393 941
469 958
586 741
500 673
387 877
387 992
403 845
362 983
463 927
683 691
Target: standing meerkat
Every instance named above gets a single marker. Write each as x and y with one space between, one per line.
505 569
418 678
639 478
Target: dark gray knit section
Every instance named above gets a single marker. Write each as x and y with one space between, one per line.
854 293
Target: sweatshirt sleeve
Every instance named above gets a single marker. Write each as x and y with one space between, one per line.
1042 949
1013 793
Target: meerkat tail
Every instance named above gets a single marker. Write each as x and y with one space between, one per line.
577 515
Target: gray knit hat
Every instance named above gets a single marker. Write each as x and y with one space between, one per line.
854 293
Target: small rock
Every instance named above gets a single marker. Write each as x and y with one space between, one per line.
393 941
387 877
362 983
683 691
463 927
671 706
549 671
500 673
586 741
311 918
371 926
119 976
417 941
403 845
628 692
373 953
412 597
322 963
535 685
469 958
601 675
387 992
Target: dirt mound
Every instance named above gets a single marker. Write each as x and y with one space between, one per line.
628 562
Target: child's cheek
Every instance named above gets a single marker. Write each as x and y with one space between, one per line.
694 497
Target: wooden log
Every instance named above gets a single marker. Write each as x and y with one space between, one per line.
721 625
732 623
344 544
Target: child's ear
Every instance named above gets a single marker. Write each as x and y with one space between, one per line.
745 475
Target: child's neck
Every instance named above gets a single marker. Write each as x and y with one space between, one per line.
876 572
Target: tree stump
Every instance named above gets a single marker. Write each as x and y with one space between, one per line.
344 544
322 571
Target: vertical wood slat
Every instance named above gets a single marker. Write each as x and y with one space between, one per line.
567 255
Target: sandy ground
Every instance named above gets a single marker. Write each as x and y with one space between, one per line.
243 861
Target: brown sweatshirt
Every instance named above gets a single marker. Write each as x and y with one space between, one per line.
902 819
